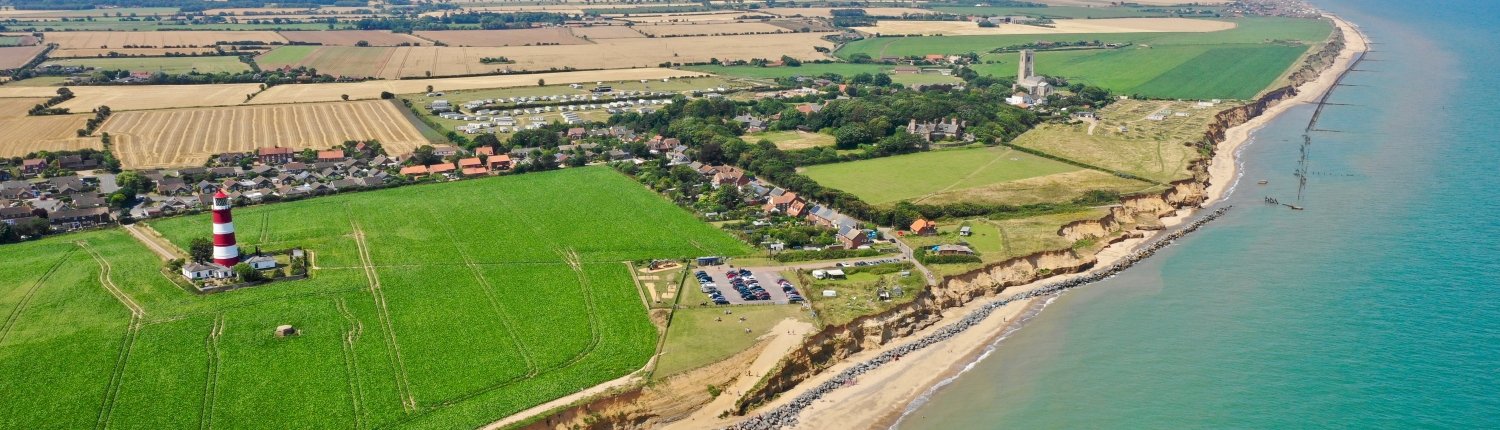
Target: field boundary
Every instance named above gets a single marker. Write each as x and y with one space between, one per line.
15 314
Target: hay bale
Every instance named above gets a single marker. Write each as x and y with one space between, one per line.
285 330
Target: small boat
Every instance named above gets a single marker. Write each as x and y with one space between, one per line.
1263 182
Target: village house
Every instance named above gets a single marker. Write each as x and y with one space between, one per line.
730 176
76 162
788 203
13 215
196 271
852 237
172 187
418 170
33 166
69 219
440 168
274 155
576 133
331 155
499 162
934 131
470 162
923 227
444 151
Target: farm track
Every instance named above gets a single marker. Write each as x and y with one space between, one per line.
15 314
571 258
403 382
489 295
211 382
351 359
153 241
136 310
116 377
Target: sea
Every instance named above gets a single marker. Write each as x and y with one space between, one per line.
1376 307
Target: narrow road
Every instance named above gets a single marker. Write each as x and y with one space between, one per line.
157 244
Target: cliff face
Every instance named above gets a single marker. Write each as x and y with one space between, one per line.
834 343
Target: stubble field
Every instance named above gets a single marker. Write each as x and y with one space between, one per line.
188 137
718 29
435 306
351 37
26 134
305 93
519 37
16 56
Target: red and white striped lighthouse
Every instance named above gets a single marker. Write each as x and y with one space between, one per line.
226 253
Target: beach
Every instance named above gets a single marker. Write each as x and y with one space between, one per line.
880 396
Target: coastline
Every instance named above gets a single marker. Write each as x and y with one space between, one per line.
882 396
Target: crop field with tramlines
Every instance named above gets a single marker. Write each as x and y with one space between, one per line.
430 306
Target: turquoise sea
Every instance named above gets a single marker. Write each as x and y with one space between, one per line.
1377 307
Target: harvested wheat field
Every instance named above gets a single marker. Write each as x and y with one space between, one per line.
26 134
140 97
17 107
606 32
155 39
352 37
1062 26
826 12
187 137
17 56
144 52
519 37
717 29
371 89
646 52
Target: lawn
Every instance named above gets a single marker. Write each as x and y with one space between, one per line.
858 294
489 296
1127 140
1000 240
913 176
172 65
700 336
792 139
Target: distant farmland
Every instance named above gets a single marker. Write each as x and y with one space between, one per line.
207 64
187 137
154 39
16 56
26 134
417 316
352 37
519 37
1231 64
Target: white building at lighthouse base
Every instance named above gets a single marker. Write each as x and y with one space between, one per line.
196 271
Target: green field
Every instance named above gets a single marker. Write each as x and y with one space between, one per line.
792 139
1157 150
912 176
431 306
171 65
696 339
1000 240
284 56
1242 61
1061 11
10 41
1172 71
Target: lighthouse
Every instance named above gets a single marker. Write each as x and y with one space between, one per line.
226 253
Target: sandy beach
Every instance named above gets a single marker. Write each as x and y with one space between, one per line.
882 395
